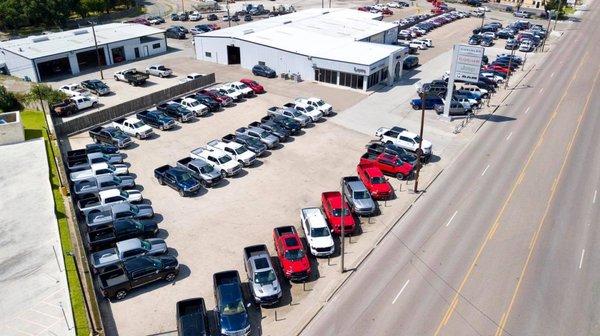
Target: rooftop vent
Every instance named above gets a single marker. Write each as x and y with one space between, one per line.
80 32
286 22
40 39
248 31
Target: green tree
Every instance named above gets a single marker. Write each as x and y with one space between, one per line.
45 92
8 100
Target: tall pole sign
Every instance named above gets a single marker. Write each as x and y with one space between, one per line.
466 65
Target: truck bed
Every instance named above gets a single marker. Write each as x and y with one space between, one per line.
255 250
161 170
184 162
226 277
283 230
105 257
112 279
351 179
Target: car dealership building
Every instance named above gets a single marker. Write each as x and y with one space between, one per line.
54 55
337 46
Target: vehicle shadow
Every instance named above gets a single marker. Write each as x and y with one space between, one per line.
223 183
153 136
239 175
289 139
332 114
286 287
133 145
266 154
256 164
494 117
172 252
300 133
158 218
278 146
174 128
138 187
162 233
199 193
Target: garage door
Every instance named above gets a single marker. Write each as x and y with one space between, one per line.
54 68
89 59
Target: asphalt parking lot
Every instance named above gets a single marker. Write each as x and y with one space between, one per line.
207 232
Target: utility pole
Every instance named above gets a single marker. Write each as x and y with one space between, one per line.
342 235
482 19
420 150
547 33
97 52
512 53
228 15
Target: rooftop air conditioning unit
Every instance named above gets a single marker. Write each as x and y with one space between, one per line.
40 39
80 32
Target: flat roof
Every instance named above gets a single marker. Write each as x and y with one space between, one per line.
56 43
332 33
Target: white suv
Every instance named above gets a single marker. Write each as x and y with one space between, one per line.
238 151
218 159
317 232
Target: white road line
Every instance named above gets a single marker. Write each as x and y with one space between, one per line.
581 260
508 137
400 292
552 75
486 168
541 90
451 218
595 194
527 110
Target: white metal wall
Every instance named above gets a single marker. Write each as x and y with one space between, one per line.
20 66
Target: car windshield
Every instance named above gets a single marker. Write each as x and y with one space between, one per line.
207 169
264 277
309 108
232 308
229 90
338 212
377 180
161 68
296 113
320 232
146 245
138 124
224 159
361 195
111 167
193 103
240 150
417 139
243 86
320 102
124 194
157 263
264 134
294 254
134 208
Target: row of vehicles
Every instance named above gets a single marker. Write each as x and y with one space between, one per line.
519 35
226 157
412 32
337 212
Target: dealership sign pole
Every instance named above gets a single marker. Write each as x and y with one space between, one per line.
466 64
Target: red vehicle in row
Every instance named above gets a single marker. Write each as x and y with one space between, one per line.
290 251
218 96
388 164
257 88
331 201
373 179
498 68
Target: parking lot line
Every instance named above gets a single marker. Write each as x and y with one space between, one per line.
488 166
581 259
541 90
595 194
401 290
527 110
508 137
552 75
451 218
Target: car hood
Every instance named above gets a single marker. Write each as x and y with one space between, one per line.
120 169
366 203
297 265
145 210
321 242
303 118
337 221
272 139
189 183
157 245
381 188
212 175
134 195
234 322
266 289
150 227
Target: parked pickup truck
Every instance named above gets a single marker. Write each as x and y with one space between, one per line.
156 119
220 160
191 77
337 211
131 76
105 236
218 96
107 198
97 184
101 148
290 251
177 111
111 154
201 171
119 211
240 87
238 152
377 147
99 169
82 102
178 179
111 136
64 108
388 164
318 104
258 133
230 92
231 310
191 317
96 86
358 196
272 127
372 177
193 105
289 124
73 90
133 127
309 111
317 232
82 162
252 144
159 70
107 260
210 103
137 272
262 278
404 139
290 113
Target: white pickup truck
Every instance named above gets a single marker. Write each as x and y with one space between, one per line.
106 198
306 109
317 103
99 169
134 127
220 160
83 102
191 77
404 139
241 87
317 232
193 105
159 70
73 90
238 151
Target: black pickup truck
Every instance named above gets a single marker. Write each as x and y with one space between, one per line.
132 76
178 179
176 111
156 119
252 144
288 123
101 148
64 108
136 272
110 135
233 317
191 318
105 236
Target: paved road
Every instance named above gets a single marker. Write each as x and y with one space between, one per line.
503 242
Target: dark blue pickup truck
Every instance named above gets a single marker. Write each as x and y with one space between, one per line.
233 317
176 111
178 179
156 119
430 103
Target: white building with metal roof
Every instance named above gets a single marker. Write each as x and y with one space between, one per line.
43 57
337 46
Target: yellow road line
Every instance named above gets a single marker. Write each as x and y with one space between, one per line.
492 230
542 221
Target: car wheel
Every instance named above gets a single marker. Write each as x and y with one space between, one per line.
399 176
121 294
161 127
116 78
161 75
95 104
389 143
170 277
161 182
415 107
181 193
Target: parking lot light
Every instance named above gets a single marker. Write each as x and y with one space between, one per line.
423 94
512 53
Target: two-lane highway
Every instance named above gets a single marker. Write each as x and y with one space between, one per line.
503 243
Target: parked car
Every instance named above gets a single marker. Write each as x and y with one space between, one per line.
264 136
98 202
262 278
159 70
237 151
109 259
388 164
212 17
105 236
220 160
175 33
240 87
253 144
290 252
195 16
155 20
178 179
511 44
177 111
119 211
98 169
231 93
337 211
522 14
405 139
133 127
252 84
264 71
156 119
358 196
94 185
377 147
430 102
289 113
316 230
190 103
82 103
131 76
191 76
273 128
137 272
526 46
101 148
410 62
110 136
210 103
289 124
487 41
475 39
231 309
96 86
372 177
308 110
192 318
80 160
317 103
456 108
248 18
201 170
217 96
64 108
73 90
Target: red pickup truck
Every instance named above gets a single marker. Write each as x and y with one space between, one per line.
388 164
290 252
373 179
332 207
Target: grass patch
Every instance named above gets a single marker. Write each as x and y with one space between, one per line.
35 127
568 10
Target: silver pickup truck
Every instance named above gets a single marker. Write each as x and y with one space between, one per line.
358 196
118 211
290 113
95 185
107 197
103 260
83 162
99 169
262 278
201 170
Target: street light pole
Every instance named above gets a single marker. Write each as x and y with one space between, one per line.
547 33
512 52
482 18
97 52
342 231
420 150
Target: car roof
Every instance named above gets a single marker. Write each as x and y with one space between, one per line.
129 244
315 217
109 193
357 186
373 171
